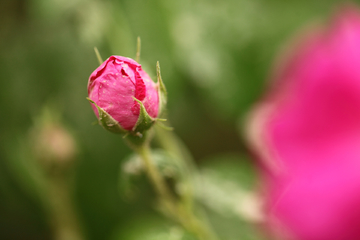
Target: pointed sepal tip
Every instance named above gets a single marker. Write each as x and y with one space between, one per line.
161 89
107 121
144 121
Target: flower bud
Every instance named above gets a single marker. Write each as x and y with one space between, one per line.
52 143
123 96
55 142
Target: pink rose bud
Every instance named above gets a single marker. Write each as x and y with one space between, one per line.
118 89
306 132
53 146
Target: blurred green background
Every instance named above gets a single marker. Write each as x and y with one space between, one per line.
215 57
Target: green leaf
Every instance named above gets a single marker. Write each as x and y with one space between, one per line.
107 121
230 194
229 187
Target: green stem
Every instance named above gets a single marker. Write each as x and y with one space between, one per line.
156 179
171 143
175 208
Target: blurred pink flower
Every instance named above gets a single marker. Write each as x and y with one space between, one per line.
113 85
307 134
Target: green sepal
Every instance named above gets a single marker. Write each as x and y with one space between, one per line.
107 121
98 56
144 121
161 89
163 126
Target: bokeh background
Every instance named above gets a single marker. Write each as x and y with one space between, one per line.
215 59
